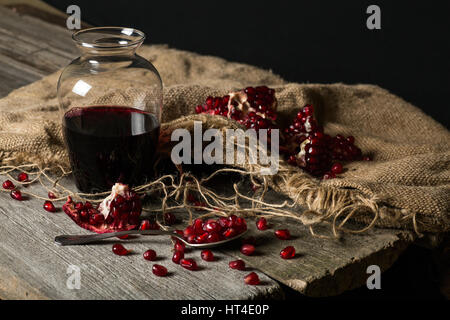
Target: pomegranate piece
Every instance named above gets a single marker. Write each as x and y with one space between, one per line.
16 195
309 148
207 255
177 256
119 250
283 234
119 211
248 249
237 264
48 205
288 252
189 264
22 177
159 270
254 107
252 279
149 255
261 224
8 185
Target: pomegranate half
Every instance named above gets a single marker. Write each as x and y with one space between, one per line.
120 211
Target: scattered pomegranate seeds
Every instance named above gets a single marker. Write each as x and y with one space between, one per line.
119 250
252 279
283 234
48 205
261 224
8 185
237 264
214 230
248 249
159 270
288 252
189 264
22 177
16 195
149 255
177 256
207 255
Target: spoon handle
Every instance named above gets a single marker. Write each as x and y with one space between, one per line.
67 240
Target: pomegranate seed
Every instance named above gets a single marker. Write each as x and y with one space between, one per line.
51 195
177 256
189 264
212 227
288 252
229 233
179 246
48 205
237 264
8 185
149 255
207 255
329 175
213 237
252 279
159 270
22 177
336 168
188 231
261 224
367 158
169 218
124 237
16 195
283 234
248 249
119 249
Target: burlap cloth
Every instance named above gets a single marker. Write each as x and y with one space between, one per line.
407 185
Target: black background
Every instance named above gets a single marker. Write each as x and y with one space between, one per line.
305 41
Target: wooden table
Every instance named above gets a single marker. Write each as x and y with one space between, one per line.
33 267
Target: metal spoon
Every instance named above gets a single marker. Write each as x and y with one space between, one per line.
67 240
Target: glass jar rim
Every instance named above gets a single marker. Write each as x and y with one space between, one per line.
108 37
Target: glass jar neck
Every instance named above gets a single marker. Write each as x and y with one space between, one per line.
108 41
120 51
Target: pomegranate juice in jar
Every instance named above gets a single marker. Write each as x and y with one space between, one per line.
110 144
110 100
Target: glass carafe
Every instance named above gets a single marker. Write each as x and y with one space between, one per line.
110 101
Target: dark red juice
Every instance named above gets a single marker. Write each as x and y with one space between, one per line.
110 144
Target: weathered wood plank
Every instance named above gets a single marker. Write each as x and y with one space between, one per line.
33 264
